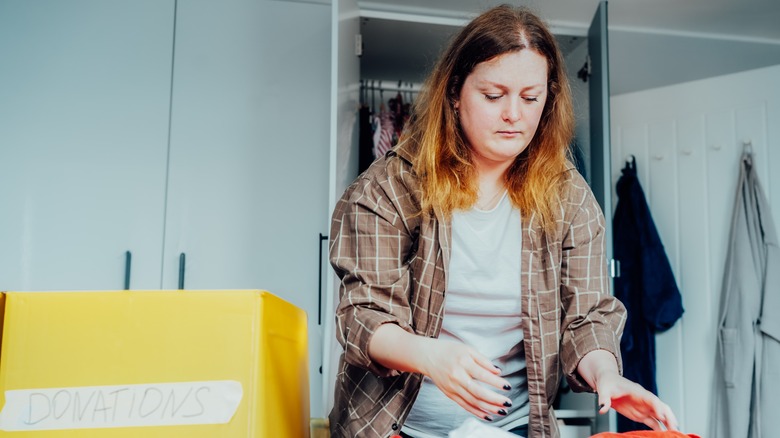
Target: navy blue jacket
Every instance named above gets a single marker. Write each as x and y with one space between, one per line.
646 285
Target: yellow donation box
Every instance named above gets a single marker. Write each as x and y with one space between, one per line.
226 364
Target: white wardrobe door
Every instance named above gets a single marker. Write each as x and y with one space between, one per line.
248 188
344 132
84 105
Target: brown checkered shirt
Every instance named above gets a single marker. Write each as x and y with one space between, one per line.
392 262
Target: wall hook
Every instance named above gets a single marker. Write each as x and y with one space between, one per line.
747 146
585 72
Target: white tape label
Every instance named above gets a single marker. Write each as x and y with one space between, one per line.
89 407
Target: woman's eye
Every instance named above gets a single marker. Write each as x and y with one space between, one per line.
492 96
531 99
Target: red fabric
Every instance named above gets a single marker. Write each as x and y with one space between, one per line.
646 434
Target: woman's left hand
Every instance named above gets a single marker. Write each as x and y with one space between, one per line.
633 401
599 369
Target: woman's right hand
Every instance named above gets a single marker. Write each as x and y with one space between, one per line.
458 370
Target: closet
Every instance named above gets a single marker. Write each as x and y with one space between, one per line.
392 47
158 144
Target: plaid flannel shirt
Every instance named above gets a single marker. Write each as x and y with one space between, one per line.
392 261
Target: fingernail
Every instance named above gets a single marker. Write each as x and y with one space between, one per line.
501 412
497 367
488 418
507 387
601 406
508 404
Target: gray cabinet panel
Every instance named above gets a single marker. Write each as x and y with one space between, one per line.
84 92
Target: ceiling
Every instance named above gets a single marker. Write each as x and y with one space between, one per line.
753 20
652 43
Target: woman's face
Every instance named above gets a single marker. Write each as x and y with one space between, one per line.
500 105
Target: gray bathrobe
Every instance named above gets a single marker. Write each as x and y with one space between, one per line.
747 381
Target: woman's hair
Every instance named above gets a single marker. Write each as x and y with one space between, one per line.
444 163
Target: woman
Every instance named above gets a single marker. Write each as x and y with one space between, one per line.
479 203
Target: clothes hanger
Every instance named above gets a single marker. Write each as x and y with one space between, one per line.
373 93
381 98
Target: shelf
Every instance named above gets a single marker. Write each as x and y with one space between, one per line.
563 414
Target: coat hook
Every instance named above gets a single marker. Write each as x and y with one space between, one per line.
658 157
747 146
687 152
716 147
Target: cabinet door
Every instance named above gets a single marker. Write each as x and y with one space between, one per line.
345 100
248 187
600 146
600 155
84 104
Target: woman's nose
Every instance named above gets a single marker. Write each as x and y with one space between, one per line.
512 111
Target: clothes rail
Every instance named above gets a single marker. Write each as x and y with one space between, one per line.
379 85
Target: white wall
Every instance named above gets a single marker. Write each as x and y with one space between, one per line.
687 140
645 60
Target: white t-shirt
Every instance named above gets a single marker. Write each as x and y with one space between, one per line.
481 309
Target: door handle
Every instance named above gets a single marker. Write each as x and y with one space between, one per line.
319 278
182 261
128 261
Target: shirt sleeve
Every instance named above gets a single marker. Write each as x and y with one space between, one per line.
369 251
593 319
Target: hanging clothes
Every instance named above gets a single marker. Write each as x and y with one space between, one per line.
646 285
386 126
366 139
387 138
747 392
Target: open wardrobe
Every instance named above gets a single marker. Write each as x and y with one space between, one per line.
381 60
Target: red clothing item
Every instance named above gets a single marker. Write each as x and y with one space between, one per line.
646 434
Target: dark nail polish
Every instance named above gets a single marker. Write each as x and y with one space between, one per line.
501 412
488 418
497 367
508 404
601 406
507 387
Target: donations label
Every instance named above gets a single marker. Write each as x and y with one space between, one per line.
89 407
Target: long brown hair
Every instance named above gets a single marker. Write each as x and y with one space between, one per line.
444 163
